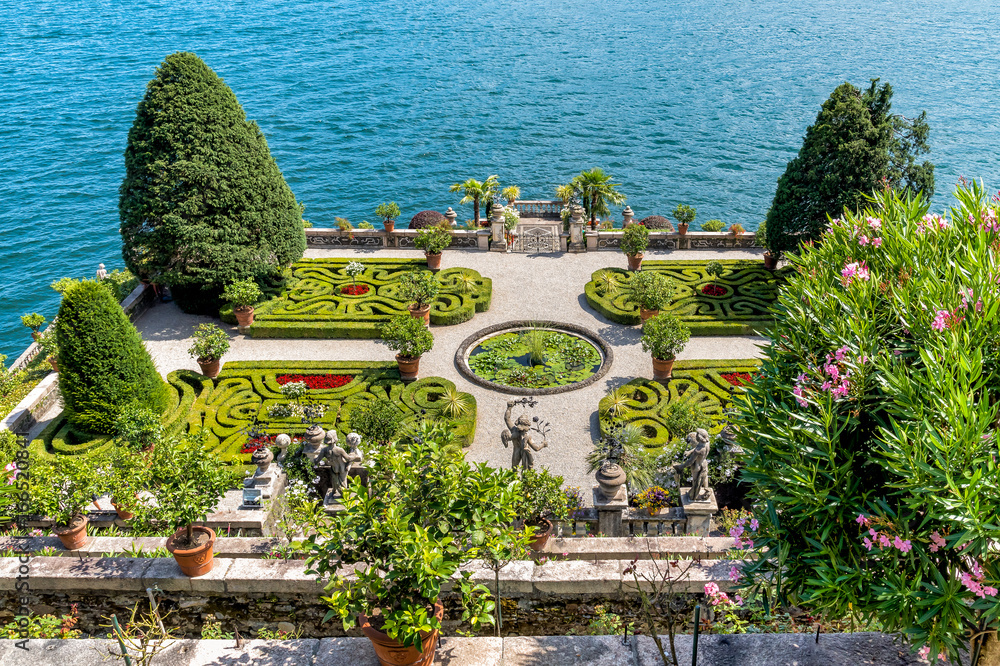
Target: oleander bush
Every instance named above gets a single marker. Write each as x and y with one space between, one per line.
871 431
743 307
314 306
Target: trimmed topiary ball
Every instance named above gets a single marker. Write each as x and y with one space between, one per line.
657 222
425 219
103 365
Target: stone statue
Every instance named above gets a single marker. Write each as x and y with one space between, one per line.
522 435
339 460
697 459
101 273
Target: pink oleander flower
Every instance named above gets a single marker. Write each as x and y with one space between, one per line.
883 541
924 652
862 240
940 320
877 241
711 589
867 542
903 546
754 524
826 385
874 223
861 520
841 391
734 574
799 398
937 541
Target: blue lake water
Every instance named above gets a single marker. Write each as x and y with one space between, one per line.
696 102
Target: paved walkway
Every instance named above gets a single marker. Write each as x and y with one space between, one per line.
524 287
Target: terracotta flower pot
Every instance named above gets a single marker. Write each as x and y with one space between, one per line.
73 535
659 511
645 314
423 312
409 366
35 335
433 261
210 367
682 229
392 653
194 560
244 315
662 368
54 363
542 534
390 225
770 261
122 513
634 261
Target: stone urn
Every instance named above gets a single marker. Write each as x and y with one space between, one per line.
314 441
610 479
262 457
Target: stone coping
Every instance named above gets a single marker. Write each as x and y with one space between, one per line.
522 579
873 649
27 412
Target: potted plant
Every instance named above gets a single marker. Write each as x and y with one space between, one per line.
511 194
433 242
139 428
713 226
209 346
410 339
419 288
412 529
654 500
511 218
541 501
771 257
388 212
737 230
49 348
664 336
243 294
651 291
33 321
685 216
62 494
354 269
635 240
127 475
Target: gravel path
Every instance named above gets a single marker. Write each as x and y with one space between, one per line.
524 287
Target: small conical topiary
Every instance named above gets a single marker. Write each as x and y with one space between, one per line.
203 203
103 364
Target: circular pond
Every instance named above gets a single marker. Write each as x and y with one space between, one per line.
534 357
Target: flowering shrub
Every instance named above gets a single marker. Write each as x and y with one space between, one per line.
738 378
316 381
870 433
713 290
354 290
653 498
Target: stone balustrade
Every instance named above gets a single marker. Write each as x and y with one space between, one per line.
539 208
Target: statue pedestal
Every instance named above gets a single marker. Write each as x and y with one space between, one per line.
265 487
699 514
331 498
611 512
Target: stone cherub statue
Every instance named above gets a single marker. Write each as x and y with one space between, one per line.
521 434
697 459
339 460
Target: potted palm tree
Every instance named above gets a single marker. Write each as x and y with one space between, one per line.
664 336
433 242
419 288
476 193
63 493
596 191
511 194
243 295
685 216
635 240
410 339
651 291
388 212
209 346
541 501
33 321
412 529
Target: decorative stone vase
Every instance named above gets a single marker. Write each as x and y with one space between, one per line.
244 315
542 534
73 535
433 261
262 457
634 261
423 312
610 478
645 314
409 366
662 368
197 560
392 653
682 229
770 261
210 367
54 363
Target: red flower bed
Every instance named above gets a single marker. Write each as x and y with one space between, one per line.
317 381
355 290
252 445
713 290
738 378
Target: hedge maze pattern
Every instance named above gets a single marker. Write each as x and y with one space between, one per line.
744 309
699 381
314 307
223 407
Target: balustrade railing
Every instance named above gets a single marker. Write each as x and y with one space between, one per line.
543 209
583 523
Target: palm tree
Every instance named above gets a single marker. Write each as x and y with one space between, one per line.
597 191
475 192
511 193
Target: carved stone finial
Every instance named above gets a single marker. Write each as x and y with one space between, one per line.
627 216
610 479
451 216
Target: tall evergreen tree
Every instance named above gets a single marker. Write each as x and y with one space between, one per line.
203 202
855 146
103 364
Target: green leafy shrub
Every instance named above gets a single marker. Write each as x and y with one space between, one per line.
664 336
242 294
365 224
684 214
713 225
635 239
209 343
681 417
33 321
407 336
139 427
63 491
657 222
376 421
103 364
432 241
651 290
541 496
715 269
419 287
387 212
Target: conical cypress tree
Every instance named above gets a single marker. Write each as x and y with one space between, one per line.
203 202
855 146
103 365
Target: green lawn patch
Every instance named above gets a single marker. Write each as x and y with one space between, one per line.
17 385
315 305
747 291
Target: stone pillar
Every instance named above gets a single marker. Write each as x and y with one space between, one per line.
576 242
592 237
627 217
611 512
699 514
499 243
451 216
483 239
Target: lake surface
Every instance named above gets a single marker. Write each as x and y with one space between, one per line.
695 102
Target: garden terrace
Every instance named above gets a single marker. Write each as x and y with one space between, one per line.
316 305
743 307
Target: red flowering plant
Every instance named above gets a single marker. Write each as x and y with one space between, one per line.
870 434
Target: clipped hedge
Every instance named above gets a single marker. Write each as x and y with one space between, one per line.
698 381
743 310
313 307
224 406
